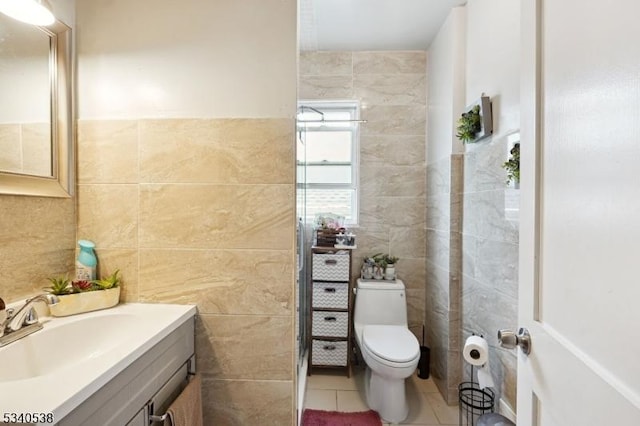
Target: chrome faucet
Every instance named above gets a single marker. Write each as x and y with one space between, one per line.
17 324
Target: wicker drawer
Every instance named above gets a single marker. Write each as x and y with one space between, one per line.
325 352
330 324
330 267
330 295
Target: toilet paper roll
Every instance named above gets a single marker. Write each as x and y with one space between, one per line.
476 351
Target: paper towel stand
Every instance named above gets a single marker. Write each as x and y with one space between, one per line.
474 401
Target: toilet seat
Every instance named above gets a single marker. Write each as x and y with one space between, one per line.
391 344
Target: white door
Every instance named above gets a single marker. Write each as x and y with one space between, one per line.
580 213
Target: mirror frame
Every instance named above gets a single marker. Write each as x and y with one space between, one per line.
61 184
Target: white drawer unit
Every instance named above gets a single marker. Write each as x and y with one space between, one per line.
331 267
330 295
330 318
330 324
330 352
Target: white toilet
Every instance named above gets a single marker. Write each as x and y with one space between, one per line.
389 349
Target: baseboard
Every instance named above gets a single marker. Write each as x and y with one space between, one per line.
506 410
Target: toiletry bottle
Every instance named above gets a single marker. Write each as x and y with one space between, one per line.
86 262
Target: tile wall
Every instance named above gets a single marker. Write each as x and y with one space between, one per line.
391 88
490 257
31 154
37 240
443 270
202 211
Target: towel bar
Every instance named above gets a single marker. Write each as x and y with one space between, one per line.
162 418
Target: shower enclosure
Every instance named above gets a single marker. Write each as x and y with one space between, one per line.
302 304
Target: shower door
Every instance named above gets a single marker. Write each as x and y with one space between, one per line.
301 248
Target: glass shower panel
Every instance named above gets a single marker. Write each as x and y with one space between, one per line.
301 247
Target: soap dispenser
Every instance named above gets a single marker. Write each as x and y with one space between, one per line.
86 262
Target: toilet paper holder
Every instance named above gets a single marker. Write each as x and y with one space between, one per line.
509 339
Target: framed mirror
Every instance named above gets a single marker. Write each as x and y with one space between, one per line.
36 112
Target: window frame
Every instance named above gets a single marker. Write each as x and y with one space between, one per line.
353 107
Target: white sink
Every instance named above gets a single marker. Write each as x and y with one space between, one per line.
55 369
59 344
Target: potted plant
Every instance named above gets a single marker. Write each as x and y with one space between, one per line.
83 296
379 266
469 125
390 269
385 266
476 122
512 165
368 268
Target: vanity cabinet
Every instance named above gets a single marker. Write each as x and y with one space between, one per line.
331 314
147 386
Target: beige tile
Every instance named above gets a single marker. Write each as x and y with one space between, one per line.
37 240
37 222
390 89
241 402
219 281
394 150
390 62
321 399
108 215
411 271
36 149
325 87
10 148
385 212
107 151
447 415
25 271
420 409
415 307
392 181
325 63
423 385
245 346
350 401
406 242
394 120
370 241
217 216
126 260
217 151
334 380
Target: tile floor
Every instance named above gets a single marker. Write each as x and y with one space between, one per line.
333 391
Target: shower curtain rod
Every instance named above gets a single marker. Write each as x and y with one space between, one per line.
322 119
331 121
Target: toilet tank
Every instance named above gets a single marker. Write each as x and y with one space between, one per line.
380 302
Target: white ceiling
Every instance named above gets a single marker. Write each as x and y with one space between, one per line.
371 24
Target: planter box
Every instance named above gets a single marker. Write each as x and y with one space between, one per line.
77 303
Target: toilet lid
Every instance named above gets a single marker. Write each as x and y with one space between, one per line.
391 342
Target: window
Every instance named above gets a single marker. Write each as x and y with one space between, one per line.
328 158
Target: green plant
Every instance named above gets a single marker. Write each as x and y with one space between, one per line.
469 125
111 281
390 260
512 165
379 260
59 286
383 260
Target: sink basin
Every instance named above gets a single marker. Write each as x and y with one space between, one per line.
48 350
70 358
